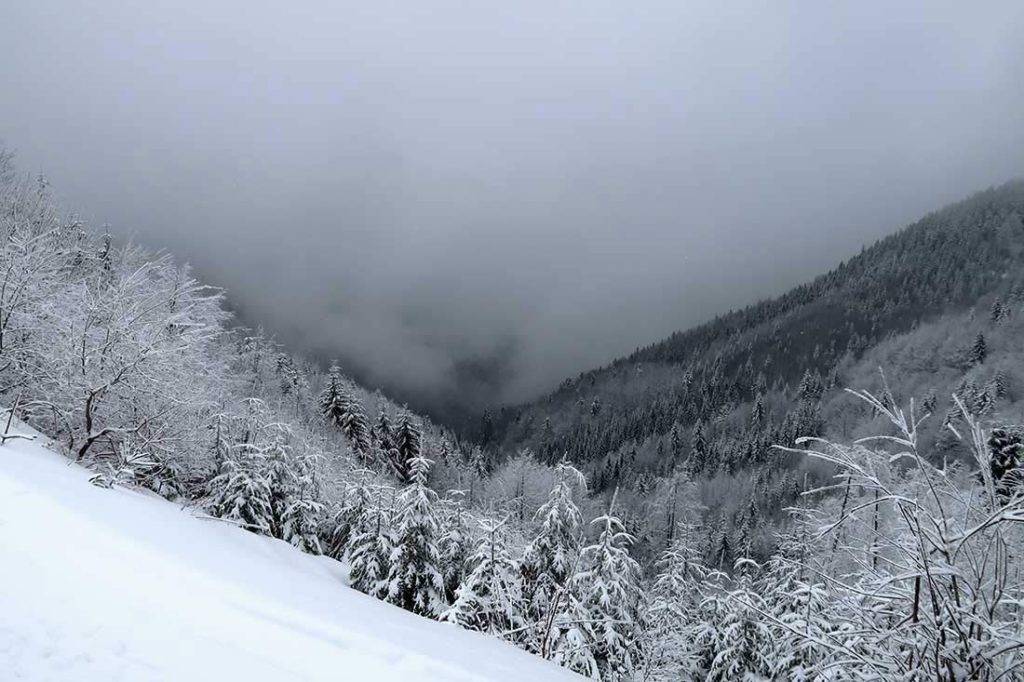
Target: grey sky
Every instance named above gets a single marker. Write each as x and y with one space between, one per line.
425 188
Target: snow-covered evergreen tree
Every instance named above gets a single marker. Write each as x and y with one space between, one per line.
744 642
609 587
979 351
490 599
455 544
414 580
796 609
550 558
302 510
569 639
241 492
407 444
344 412
370 547
674 607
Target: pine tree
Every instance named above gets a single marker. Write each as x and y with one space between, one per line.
701 631
675 441
241 493
699 450
407 447
570 640
445 452
675 603
357 430
477 462
609 585
547 440
979 351
414 580
796 608
490 599
345 413
370 548
996 313
300 518
744 639
550 558
334 403
810 389
382 437
455 546
279 475
757 413
1006 446
720 549
748 522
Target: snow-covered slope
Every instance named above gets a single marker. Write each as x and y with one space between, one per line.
118 585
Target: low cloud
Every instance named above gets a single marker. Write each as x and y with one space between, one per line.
469 202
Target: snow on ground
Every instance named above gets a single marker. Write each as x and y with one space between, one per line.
120 585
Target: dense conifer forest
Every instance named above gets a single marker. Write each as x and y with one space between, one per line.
716 399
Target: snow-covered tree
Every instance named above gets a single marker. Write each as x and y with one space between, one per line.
455 545
608 585
796 609
674 607
570 639
407 444
301 510
979 351
550 558
744 642
490 599
241 492
345 413
414 580
345 520
371 545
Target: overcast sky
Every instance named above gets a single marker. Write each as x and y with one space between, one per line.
469 201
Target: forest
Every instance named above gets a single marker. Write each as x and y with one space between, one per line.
823 486
932 306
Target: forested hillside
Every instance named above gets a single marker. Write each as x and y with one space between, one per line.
713 556
132 368
714 400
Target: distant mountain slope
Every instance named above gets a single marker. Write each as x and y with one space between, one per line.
717 397
117 584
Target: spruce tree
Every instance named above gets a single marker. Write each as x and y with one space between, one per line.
414 580
241 493
334 404
490 599
996 313
280 475
406 448
300 519
744 639
796 607
609 585
344 522
757 413
370 547
699 449
344 412
455 545
675 602
550 558
382 437
979 351
570 640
